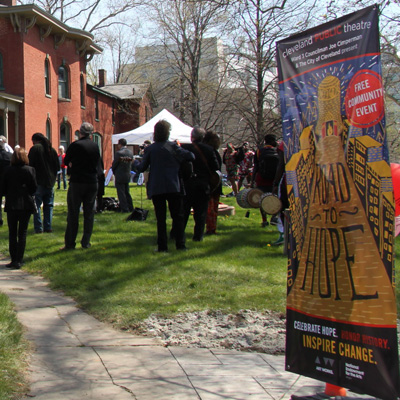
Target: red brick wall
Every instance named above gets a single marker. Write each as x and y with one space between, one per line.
104 124
37 106
24 56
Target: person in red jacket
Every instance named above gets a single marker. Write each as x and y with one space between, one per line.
62 173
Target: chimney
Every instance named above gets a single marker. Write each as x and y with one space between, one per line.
8 3
102 77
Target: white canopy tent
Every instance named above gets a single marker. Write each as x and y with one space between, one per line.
179 130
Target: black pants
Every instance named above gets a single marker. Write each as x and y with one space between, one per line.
197 198
175 205
85 194
17 228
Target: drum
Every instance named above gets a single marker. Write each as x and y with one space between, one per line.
270 203
253 197
241 198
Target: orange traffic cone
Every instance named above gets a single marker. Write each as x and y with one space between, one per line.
333 390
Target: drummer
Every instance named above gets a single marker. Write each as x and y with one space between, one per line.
265 163
246 165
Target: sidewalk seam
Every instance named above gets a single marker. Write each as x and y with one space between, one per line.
187 376
112 379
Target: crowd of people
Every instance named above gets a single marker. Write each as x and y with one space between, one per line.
27 182
195 193
184 179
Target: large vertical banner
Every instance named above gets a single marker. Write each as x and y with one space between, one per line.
341 309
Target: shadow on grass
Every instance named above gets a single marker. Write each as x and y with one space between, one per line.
120 278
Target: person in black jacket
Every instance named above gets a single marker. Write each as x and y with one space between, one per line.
164 185
18 186
82 158
122 172
44 159
197 187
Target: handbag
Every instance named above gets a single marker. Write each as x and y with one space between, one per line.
138 214
214 177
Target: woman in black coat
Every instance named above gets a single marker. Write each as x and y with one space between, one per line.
18 186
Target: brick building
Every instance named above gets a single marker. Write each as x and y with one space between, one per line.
43 83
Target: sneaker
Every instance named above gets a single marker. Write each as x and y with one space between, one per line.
274 220
279 241
264 224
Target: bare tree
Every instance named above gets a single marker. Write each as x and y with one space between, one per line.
183 27
259 24
90 15
118 43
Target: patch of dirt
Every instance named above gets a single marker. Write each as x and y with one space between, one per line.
263 332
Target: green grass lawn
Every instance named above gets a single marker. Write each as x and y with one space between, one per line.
121 280
13 350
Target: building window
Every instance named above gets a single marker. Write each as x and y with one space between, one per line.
1 72
82 88
97 139
47 76
96 107
1 126
48 129
64 135
63 92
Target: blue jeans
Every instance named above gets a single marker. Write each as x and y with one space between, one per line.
43 196
63 175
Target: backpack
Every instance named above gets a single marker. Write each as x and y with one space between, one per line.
268 161
239 155
110 204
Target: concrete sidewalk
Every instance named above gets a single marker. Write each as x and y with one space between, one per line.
77 357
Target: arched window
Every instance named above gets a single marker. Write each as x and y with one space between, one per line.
1 72
63 82
48 129
47 76
82 91
65 136
97 139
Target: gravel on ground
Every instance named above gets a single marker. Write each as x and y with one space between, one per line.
247 330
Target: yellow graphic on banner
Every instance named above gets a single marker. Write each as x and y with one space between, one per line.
341 273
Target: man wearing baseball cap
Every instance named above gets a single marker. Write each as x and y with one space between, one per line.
82 158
